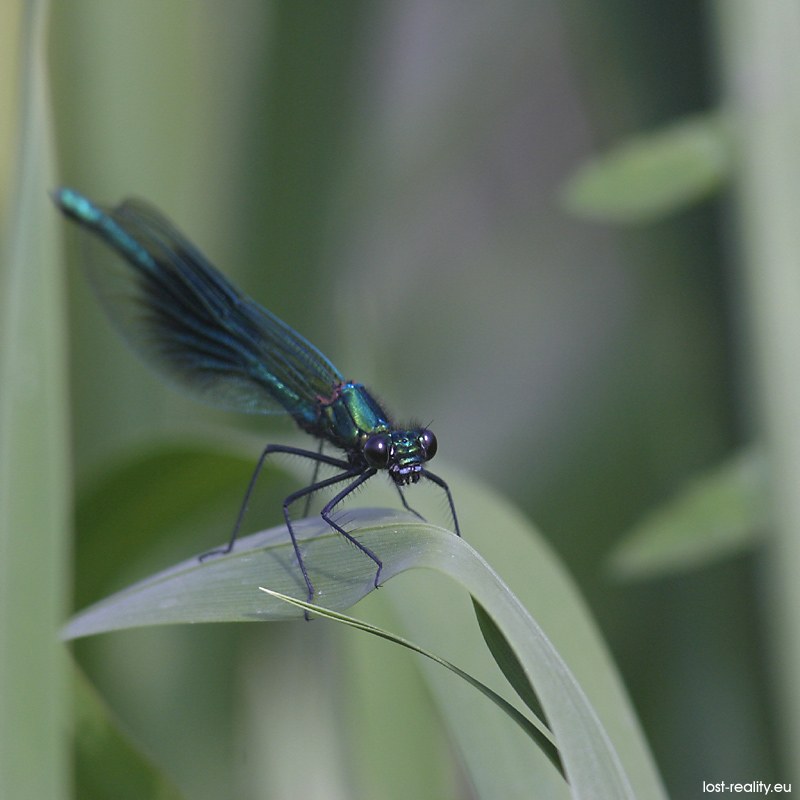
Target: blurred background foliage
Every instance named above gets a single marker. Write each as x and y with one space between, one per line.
391 180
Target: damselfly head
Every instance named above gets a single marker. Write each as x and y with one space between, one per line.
401 452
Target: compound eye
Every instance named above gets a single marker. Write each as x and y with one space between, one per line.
428 443
377 450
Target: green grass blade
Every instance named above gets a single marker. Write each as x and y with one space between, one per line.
223 589
758 40
506 659
528 565
541 738
34 457
537 577
592 765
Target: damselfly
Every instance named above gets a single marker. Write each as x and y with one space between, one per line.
195 328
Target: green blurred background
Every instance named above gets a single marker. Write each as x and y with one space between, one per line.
386 177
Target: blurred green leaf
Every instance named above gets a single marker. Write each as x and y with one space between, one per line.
720 513
652 175
140 501
108 765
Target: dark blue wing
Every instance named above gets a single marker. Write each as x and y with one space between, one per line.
190 323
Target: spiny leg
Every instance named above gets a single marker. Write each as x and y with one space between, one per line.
326 515
270 448
314 477
439 482
351 473
405 503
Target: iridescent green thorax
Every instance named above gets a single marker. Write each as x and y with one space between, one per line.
352 419
350 415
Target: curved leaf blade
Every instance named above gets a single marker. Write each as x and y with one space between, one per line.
223 589
509 664
541 738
